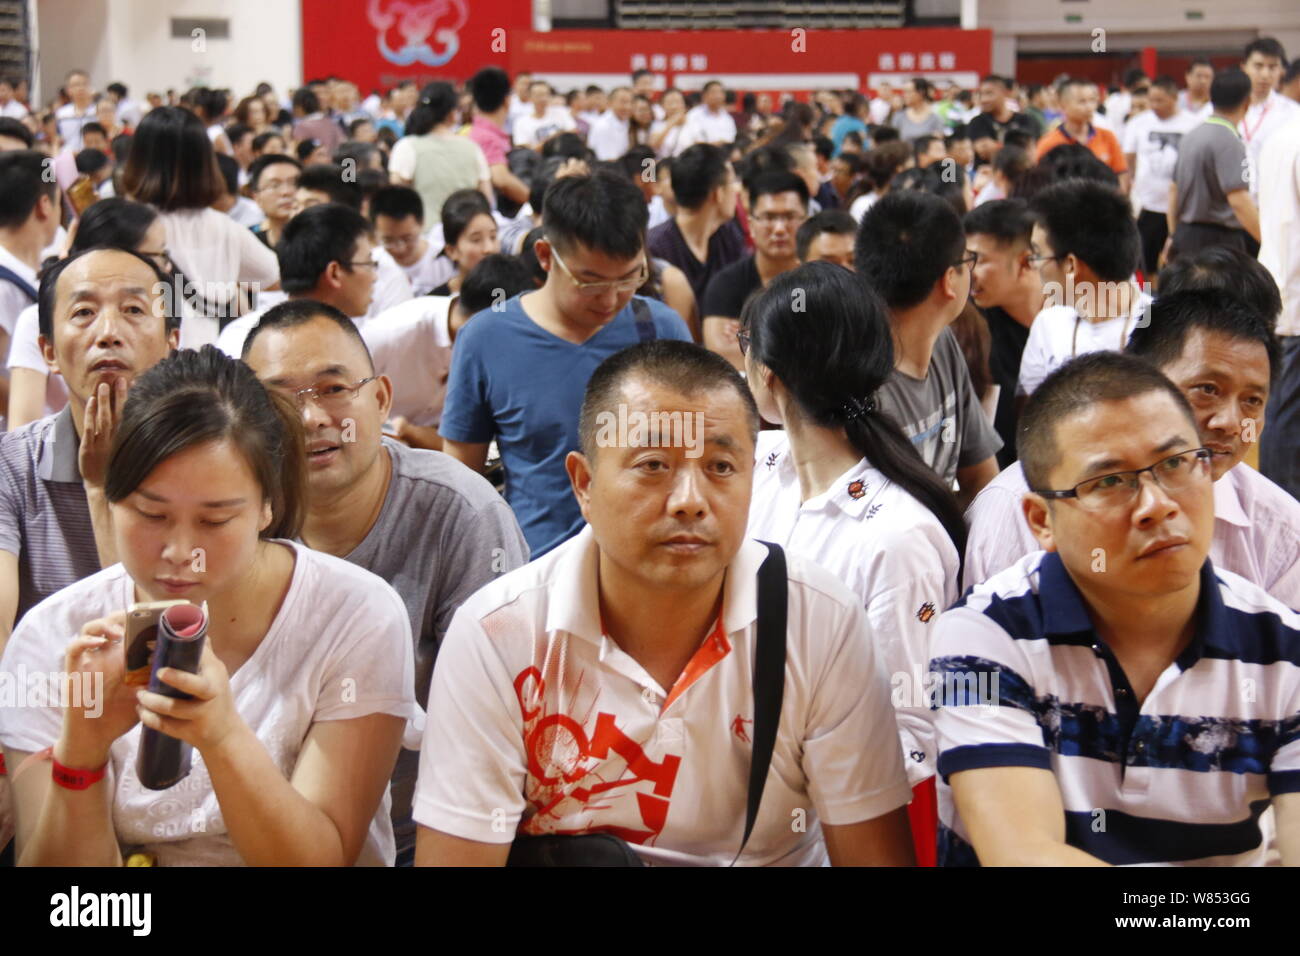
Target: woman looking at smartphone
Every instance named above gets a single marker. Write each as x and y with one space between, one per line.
305 684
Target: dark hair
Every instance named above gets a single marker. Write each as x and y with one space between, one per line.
114 223
1229 90
22 183
229 172
437 101
684 367
633 162
93 127
172 164
823 147
921 144
1199 61
313 239
211 102
1264 46
1006 220
361 154
1226 268
836 352
1093 222
772 184
528 256
459 210
14 129
259 165
697 172
357 123
117 89
305 148
47 291
190 398
261 139
490 86
1015 163
835 221
1166 84
397 202
922 86
567 145
603 211
1291 72
995 78
328 179
1075 161
306 100
543 176
294 312
1173 316
1103 376
1134 76
496 278
237 131
906 242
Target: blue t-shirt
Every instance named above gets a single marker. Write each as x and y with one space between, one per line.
843 126
516 382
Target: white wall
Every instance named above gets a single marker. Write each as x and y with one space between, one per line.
131 41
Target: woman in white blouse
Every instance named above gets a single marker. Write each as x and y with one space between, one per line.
843 486
172 167
306 681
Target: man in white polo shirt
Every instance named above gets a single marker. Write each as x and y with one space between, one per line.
606 687
1221 353
709 122
1086 245
1116 699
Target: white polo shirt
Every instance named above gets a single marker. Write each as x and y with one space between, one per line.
889 549
410 343
705 126
1181 778
539 723
1059 333
1256 530
1279 220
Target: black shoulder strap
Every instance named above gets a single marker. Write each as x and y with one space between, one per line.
769 677
8 275
645 326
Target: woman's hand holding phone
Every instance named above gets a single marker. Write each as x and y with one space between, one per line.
107 703
204 722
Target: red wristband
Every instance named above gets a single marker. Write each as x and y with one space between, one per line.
76 779
3 771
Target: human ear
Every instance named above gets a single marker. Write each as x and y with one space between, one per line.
1038 515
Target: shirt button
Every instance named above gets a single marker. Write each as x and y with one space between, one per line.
1121 691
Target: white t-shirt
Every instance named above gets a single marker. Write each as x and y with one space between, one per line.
861 205
1279 220
531 130
25 352
608 136
13 110
411 344
392 287
430 271
13 299
540 722
704 126
215 252
339 648
1059 333
70 123
889 549
1155 142
1262 121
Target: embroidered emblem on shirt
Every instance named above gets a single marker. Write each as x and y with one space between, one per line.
771 460
917 756
871 512
857 489
925 612
738 728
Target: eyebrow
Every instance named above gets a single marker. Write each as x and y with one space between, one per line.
626 275
282 381
1106 464
93 292
227 503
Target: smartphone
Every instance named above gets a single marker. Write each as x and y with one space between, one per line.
141 635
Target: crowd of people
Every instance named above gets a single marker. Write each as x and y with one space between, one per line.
513 438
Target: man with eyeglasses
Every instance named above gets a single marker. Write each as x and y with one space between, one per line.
1116 698
397 213
778 206
274 182
428 526
518 372
1222 353
1086 247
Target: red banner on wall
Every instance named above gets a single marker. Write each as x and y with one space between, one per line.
379 43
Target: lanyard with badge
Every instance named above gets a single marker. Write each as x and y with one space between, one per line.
1247 133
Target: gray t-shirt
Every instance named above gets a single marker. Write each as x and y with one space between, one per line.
909 129
44 517
442 533
941 413
1211 164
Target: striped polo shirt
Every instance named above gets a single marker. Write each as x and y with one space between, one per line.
44 517
1181 778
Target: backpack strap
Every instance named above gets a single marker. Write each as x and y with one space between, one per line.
645 326
25 287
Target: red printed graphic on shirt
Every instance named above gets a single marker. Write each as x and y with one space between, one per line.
573 774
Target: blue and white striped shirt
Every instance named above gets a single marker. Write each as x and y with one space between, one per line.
1181 778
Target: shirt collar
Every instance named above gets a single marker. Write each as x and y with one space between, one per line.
574 605
852 492
1227 501
58 454
1064 612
